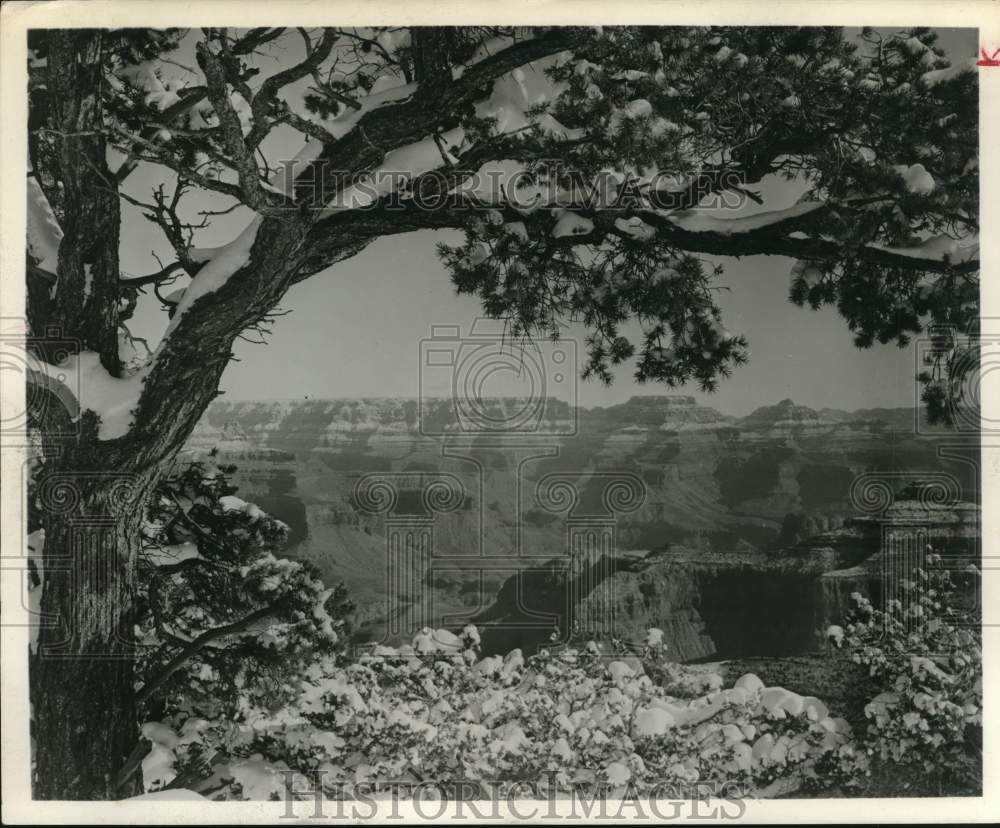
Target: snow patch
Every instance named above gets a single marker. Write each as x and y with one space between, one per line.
653 721
933 78
232 503
144 78
214 275
168 555
866 154
697 222
636 228
937 247
916 178
259 779
572 224
400 164
44 233
173 795
436 641
158 765
637 108
284 179
81 381
808 272
835 634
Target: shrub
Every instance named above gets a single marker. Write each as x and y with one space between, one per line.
435 710
213 572
924 660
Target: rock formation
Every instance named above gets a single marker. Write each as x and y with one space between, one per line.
716 491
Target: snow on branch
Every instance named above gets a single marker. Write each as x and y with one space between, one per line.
202 641
939 248
44 233
697 221
775 232
937 76
225 261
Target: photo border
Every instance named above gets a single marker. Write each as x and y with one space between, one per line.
18 16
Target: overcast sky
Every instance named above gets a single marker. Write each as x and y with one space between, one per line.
355 331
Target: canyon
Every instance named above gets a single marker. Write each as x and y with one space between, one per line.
736 536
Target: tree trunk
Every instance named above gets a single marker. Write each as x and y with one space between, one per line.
82 676
92 497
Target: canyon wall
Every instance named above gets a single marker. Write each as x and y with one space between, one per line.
709 491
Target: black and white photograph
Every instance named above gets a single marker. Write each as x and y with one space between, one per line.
564 418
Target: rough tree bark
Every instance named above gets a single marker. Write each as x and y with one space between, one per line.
85 658
89 510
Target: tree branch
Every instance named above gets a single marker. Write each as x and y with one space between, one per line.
331 235
198 644
266 96
154 278
240 151
194 95
383 129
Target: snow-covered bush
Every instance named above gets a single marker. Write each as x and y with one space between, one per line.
223 620
924 659
437 711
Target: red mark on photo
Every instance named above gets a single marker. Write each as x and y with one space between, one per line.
989 60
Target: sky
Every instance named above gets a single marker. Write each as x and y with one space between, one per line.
361 329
